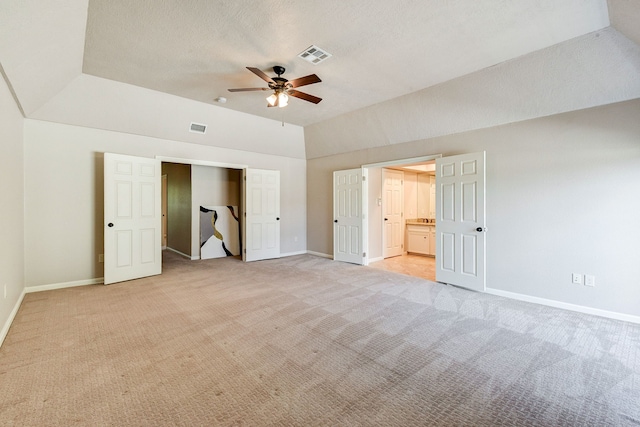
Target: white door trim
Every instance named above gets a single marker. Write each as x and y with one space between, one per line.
166 159
403 161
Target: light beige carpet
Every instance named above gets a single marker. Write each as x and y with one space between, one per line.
304 341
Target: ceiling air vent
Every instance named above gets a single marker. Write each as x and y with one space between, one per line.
314 54
197 128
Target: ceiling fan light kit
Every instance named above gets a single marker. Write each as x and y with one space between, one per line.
282 88
279 100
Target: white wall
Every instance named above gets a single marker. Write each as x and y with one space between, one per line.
94 102
599 68
63 194
11 207
562 197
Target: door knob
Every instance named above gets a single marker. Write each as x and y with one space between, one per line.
110 224
335 220
386 219
480 229
278 219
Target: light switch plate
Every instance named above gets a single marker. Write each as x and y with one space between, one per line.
589 280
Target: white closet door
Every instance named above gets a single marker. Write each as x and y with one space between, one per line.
460 220
261 237
132 218
348 218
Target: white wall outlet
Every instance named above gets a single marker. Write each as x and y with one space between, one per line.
295 238
101 258
589 280
576 278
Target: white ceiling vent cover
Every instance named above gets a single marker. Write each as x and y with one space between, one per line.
314 54
197 128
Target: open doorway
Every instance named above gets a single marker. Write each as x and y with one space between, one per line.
460 216
188 188
405 218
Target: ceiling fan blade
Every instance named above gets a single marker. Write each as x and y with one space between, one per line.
247 89
306 80
305 96
258 72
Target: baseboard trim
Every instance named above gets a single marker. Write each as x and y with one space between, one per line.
12 316
566 306
376 259
53 286
182 254
320 254
292 253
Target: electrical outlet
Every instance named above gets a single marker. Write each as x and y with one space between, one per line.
589 280
101 258
295 238
576 278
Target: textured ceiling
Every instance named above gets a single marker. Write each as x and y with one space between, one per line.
381 50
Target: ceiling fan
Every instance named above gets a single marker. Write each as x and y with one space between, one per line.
282 88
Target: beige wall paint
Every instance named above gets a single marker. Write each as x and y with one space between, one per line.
11 205
546 82
64 196
94 102
178 207
211 186
562 197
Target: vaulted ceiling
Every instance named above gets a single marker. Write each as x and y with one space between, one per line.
383 52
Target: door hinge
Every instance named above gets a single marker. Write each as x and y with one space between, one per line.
364 178
364 254
244 177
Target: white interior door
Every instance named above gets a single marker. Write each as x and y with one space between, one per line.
460 220
261 225
132 218
392 208
349 198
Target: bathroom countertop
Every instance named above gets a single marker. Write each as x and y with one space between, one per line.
416 222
